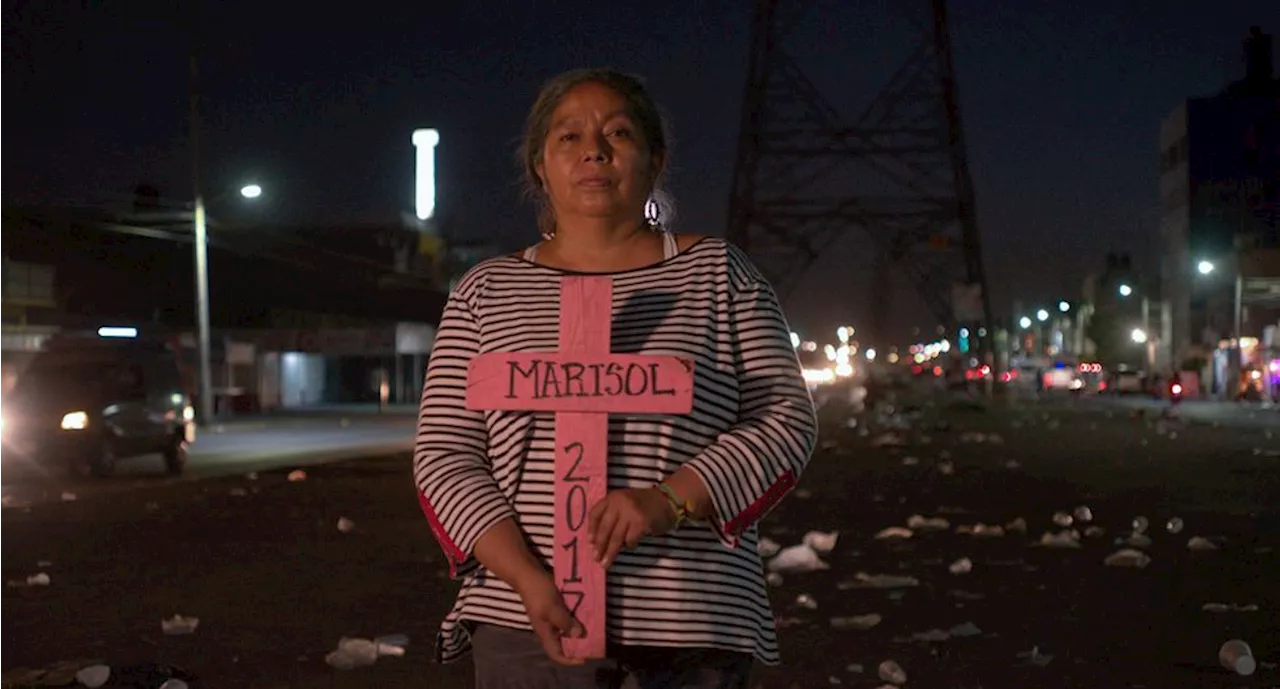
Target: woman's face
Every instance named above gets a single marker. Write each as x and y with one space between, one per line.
595 161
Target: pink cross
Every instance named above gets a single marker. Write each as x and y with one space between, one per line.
582 384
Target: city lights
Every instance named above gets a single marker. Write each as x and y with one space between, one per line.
251 191
1205 267
1042 315
1125 290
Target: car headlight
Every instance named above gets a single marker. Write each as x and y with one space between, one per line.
75 421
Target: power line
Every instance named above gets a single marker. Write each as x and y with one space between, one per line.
162 233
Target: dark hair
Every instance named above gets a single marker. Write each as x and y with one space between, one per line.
642 108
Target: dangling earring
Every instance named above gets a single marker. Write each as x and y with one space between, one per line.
653 216
548 235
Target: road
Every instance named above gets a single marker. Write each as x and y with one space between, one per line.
228 449
1229 414
275 584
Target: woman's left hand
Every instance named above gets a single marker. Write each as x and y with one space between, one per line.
624 517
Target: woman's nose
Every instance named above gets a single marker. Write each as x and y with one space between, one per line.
596 150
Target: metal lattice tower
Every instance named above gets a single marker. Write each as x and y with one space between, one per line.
808 176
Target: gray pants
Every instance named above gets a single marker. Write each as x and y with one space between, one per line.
513 659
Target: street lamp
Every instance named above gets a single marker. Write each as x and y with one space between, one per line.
1138 335
1206 267
1125 290
203 338
1063 306
1024 322
1042 315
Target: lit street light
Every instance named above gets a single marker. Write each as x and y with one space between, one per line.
1042 315
1064 306
1024 322
1206 267
203 337
1125 290
1138 335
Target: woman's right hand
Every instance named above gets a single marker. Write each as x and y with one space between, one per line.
549 616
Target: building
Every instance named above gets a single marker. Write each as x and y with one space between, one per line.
1220 200
300 316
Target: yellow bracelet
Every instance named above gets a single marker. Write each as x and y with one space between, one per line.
682 507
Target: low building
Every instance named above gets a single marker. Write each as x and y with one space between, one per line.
298 318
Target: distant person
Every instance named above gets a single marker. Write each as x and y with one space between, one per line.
687 603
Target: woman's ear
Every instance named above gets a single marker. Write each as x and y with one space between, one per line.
658 163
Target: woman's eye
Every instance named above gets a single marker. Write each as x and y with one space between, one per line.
624 133
567 137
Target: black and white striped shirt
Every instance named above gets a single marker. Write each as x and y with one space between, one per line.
750 434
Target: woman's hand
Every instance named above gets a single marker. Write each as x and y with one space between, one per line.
549 616
624 517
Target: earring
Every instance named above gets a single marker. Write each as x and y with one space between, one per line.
548 235
653 215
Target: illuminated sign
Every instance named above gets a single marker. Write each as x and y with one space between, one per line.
425 140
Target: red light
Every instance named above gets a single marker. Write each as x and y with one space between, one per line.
1102 386
1084 368
937 370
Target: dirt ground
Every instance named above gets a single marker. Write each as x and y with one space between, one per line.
275 584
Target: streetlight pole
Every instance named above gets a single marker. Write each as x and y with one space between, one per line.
1237 358
201 232
1238 308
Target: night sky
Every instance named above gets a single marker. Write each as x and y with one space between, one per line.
1062 103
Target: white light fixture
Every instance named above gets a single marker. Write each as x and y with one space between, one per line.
1205 267
425 140
1042 315
1125 290
109 331
1138 335
1064 306
251 191
1024 322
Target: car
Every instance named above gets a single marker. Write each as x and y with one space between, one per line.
1127 382
88 403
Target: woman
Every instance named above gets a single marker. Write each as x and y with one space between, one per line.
687 604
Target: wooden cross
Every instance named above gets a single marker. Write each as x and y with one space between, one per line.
582 384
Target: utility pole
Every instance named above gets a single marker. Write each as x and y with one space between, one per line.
893 176
200 231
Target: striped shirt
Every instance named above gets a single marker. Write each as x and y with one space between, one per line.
750 433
